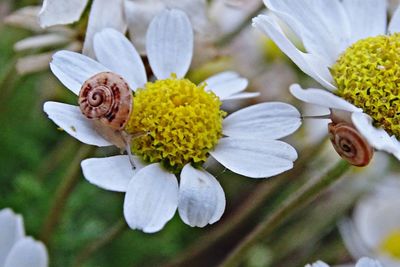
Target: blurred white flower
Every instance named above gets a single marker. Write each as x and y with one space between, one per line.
45 40
16 249
139 14
363 262
352 52
103 14
374 229
249 146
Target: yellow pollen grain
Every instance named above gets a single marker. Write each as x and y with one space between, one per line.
391 244
368 76
183 122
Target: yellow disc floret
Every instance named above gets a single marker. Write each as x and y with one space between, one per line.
368 76
182 122
391 244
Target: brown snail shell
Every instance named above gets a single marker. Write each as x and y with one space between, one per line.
106 97
350 144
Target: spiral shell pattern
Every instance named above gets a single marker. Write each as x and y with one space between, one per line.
106 97
350 144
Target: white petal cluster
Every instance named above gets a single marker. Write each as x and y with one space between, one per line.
16 249
363 262
375 217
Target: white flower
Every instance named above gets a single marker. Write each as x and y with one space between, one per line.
363 262
374 229
152 195
103 14
16 249
329 30
44 40
139 14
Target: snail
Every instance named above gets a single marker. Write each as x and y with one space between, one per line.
106 97
107 100
350 144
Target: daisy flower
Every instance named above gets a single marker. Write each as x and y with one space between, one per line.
103 14
16 249
352 53
363 262
173 127
374 229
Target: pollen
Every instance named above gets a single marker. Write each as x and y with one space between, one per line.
391 244
368 75
183 122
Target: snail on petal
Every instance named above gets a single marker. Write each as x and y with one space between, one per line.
107 100
350 144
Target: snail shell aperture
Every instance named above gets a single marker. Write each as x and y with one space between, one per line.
350 144
106 97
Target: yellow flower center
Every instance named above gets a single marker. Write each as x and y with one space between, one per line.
391 244
183 122
368 76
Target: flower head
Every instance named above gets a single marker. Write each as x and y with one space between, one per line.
16 249
363 262
174 126
353 54
375 226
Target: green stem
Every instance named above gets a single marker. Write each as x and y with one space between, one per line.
300 198
69 181
100 242
226 39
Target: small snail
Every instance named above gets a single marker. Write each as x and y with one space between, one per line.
106 97
350 144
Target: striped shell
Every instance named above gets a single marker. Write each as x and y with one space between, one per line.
106 97
350 144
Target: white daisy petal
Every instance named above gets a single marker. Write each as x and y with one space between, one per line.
111 173
367 262
151 199
375 218
396 151
27 252
11 230
322 25
322 98
309 64
201 197
367 18
254 158
352 239
169 44
226 84
394 25
103 14
117 53
377 137
318 264
241 96
272 120
56 12
73 69
71 120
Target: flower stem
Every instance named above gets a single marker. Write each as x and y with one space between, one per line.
67 185
100 242
300 198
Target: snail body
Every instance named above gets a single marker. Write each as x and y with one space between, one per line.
106 97
350 144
